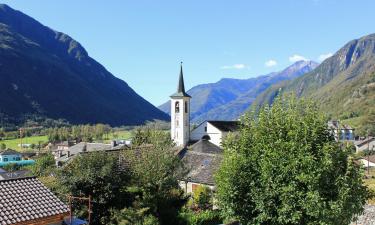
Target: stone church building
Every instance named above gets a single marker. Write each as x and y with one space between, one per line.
202 146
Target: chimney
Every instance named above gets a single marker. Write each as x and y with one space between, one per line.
68 153
113 143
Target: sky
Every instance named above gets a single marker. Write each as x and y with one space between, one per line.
143 42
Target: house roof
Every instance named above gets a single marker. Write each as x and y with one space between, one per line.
225 126
370 158
27 199
364 141
202 166
14 175
88 147
205 146
9 152
181 86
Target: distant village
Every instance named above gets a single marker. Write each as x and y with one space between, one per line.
25 200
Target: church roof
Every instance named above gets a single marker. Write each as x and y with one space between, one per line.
205 146
201 166
181 86
225 126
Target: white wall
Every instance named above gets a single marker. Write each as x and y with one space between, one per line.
189 186
367 163
365 147
215 134
180 131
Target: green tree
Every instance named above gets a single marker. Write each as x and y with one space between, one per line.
3 146
96 174
285 168
155 170
44 165
202 197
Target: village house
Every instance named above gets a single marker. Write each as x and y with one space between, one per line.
216 131
368 161
26 201
200 149
341 132
4 175
64 156
365 144
10 155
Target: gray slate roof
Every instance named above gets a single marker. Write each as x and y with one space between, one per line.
202 166
88 147
202 160
9 152
14 175
26 199
205 146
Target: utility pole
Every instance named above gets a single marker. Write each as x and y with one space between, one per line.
368 154
21 133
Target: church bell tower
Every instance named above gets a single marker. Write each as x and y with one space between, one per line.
180 114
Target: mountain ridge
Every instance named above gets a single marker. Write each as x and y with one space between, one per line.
75 87
342 85
229 97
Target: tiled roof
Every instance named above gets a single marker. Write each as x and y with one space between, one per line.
27 199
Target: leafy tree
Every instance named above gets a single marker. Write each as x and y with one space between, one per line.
96 174
285 168
3 146
155 170
11 167
43 166
202 197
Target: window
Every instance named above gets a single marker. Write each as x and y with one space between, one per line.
18 158
177 107
205 129
186 107
5 159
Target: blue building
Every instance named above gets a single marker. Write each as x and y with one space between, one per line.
11 156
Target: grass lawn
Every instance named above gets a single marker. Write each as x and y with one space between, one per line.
121 134
13 144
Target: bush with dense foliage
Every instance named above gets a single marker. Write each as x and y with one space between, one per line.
96 174
286 168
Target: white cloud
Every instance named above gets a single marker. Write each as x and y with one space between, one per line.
323 57
235 66
296 58
270 63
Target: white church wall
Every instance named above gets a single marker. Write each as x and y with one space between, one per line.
206 128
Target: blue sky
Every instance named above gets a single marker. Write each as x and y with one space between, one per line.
142 42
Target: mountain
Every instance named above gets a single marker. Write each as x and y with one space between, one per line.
343 85
228 98
47 73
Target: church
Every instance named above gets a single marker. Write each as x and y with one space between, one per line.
200 148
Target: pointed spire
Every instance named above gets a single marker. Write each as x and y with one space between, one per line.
181 86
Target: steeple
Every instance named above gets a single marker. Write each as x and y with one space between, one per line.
181 86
